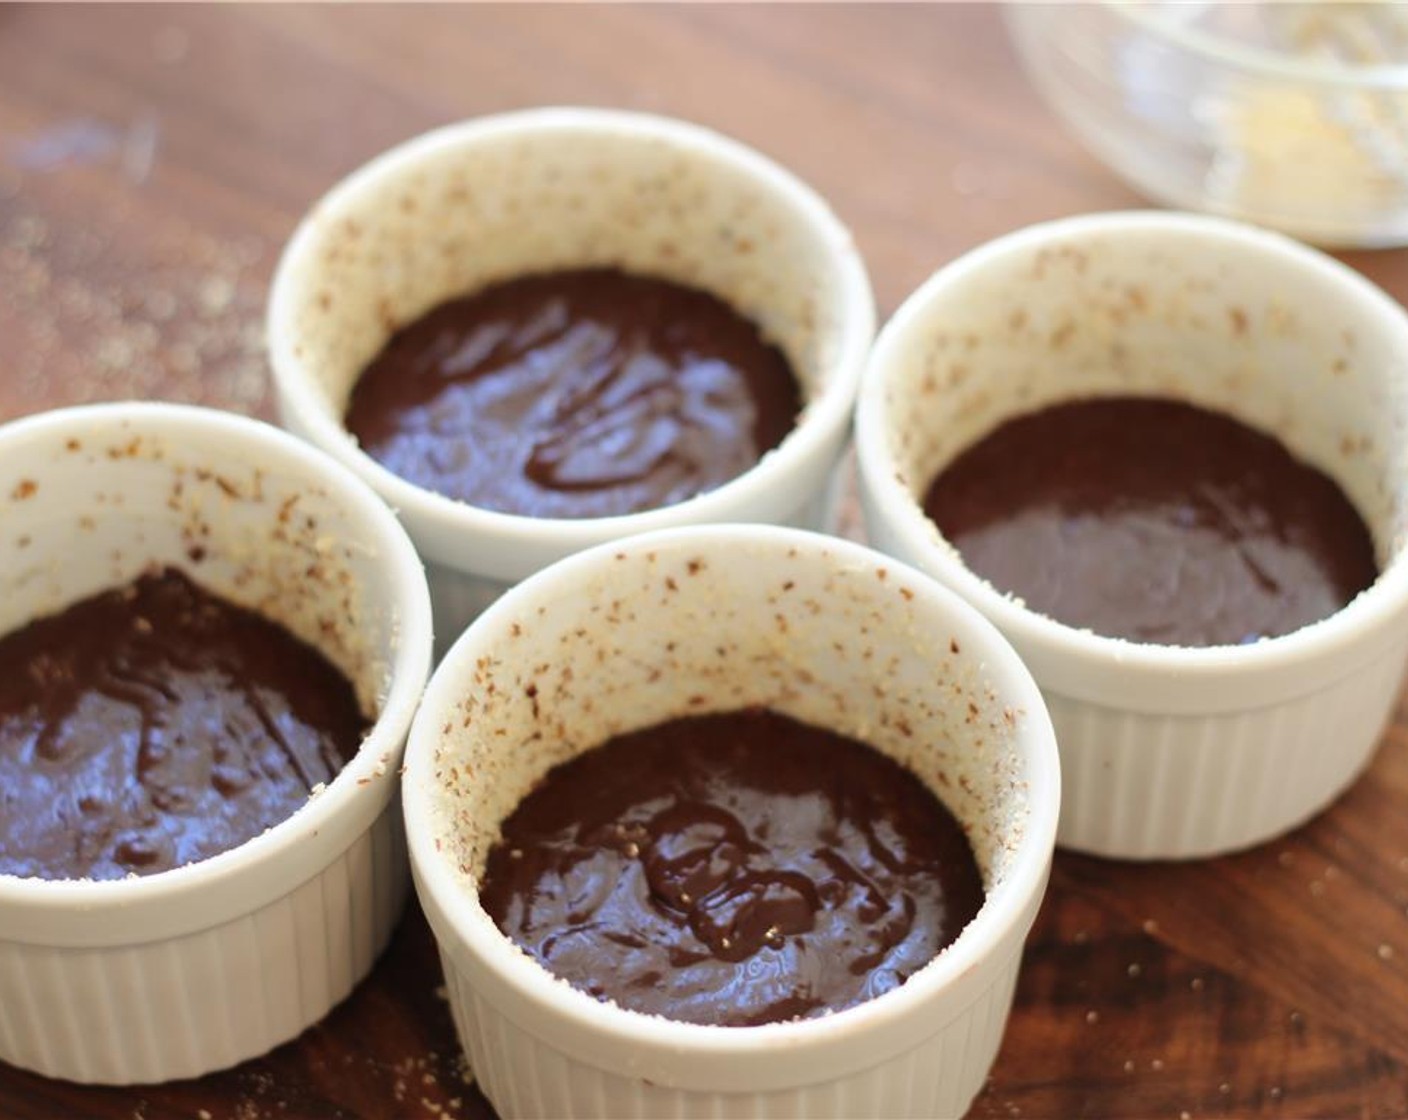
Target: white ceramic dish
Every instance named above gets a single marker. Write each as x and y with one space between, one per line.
717 618
482 201
197 968
1167 752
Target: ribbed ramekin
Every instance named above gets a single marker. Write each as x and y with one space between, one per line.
707 619
489 199
1167 752
196 968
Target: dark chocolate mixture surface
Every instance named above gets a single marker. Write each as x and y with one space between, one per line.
1153 520
154 725
586 393
732 869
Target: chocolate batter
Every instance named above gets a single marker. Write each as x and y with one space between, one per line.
154 725
732 869
1155 521
586 393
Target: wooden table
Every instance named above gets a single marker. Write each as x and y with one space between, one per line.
153 160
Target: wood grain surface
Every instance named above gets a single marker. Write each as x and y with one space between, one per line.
152 160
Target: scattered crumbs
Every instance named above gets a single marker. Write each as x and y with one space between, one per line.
1081 937
1224 1088
1151 927
1403 864
318 788
1297 1018
1286 858
1134 970
1385 952
1185 1115
1196 983
202 1114
1092 1017
1156 1065
1129 1065
442 993
89 322
215 295
1275 1092
1317 888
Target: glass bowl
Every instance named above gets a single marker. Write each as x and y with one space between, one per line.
1293 115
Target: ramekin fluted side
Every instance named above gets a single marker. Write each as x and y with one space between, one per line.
182 1006
525 1076
1144 785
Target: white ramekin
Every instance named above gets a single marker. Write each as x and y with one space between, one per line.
479 202
197 968
1167 752
717 618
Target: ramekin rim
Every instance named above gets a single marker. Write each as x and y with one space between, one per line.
998 923
822 420
408 670
1374 608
